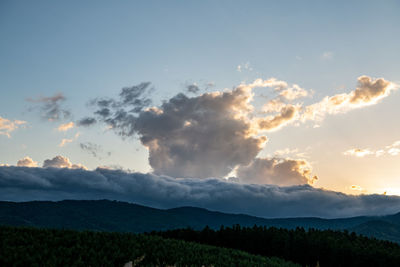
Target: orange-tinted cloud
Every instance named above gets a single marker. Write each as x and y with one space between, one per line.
368 92
7 126
27 162
61 162
283 172
66 126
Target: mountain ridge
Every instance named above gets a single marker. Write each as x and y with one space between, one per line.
118 216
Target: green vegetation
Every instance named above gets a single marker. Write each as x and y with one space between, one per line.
309 248
46 247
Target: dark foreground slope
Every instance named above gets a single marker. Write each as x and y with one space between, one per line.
307 247
105 215
45 247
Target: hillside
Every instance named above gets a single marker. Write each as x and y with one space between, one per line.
105 215
41 247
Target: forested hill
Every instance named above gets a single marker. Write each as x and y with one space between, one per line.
49 247
105 215
307 247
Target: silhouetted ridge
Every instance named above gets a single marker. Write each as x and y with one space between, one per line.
107 215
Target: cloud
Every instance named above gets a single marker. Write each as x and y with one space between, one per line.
392 150
185 134
368 92
358 152
23 184
51 107
192 88
93 149
291 152
61 162
211 134
294 92
288 113
356 188
283 172
27 162
204 136
65 141
66 126
274 105
7 126
87 121
245 66
328 55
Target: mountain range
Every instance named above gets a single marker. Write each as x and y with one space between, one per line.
116 216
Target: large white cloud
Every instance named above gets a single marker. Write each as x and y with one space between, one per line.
211 134
61 162
23 184
27 162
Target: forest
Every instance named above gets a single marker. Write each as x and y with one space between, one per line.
307 247
228 246
22 246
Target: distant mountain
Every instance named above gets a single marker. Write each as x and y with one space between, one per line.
106 215
380 229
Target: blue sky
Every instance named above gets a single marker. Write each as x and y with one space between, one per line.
93 49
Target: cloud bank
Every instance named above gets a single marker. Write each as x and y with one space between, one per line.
24 184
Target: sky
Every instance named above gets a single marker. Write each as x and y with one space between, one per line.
275 95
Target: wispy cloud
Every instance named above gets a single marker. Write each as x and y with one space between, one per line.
66 126
8 126
94 149
246 66
328 55
368 92
392 150
65 141
51 108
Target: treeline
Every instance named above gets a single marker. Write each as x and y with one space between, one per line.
47 247
309 248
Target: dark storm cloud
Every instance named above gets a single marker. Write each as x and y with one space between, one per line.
120 114
23 184
192 88
195 88
87 121
51 107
